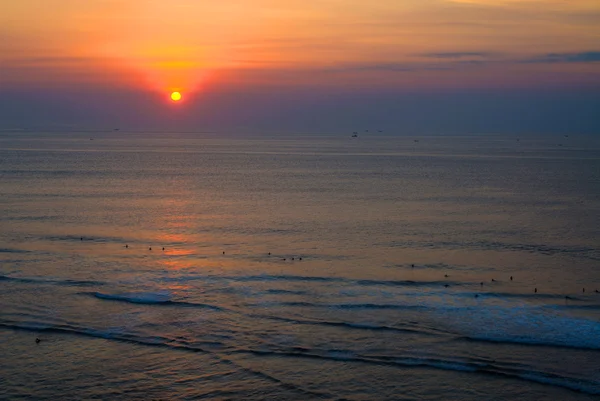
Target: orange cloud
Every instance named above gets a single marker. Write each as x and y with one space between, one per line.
187 45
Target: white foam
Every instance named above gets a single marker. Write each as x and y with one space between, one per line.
138 297
520 323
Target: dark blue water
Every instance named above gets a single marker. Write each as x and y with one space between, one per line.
312 267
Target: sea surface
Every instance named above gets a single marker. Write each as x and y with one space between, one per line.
170 266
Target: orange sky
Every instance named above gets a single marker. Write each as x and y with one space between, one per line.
187 44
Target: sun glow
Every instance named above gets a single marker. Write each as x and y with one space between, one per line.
175 96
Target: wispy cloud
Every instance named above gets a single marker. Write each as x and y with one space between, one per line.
583 57
458 55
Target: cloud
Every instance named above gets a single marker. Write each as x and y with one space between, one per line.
458 55
583 57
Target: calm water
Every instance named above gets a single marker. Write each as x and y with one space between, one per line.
402 292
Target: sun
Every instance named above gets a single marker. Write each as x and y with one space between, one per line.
175 96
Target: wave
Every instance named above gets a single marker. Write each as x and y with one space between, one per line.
286 277
151 298
346 356
285 292
79 238
87 332
12 250
520 324
357 306
532 341
538 295
52 281
404 283
543 249
584 307
156 341
348 325
137 298
308 279
511 323
471 366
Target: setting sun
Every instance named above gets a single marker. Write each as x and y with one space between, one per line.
175 96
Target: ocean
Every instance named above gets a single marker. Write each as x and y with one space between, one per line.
179 266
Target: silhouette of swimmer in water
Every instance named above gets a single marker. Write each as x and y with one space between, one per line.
535 290
476 295
510 278
445 275
150 248
299 258
269 254
80 238
446 285
223 252
126 246
292 258
37 340
493 280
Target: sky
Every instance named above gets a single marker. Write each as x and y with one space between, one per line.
403 66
